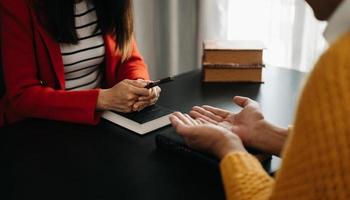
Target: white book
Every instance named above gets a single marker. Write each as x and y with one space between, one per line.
143 122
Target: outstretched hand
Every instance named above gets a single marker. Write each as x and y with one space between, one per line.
204 136
244 123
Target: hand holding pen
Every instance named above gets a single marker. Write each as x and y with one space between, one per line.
159 82
153 86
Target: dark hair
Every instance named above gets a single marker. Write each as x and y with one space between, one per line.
114 17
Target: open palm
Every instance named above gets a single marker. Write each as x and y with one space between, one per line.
206 137
243 123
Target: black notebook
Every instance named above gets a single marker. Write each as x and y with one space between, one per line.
174 143
143 122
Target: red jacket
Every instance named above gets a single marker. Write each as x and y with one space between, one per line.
34 71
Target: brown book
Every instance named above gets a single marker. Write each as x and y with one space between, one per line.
232 75
231 65
238 52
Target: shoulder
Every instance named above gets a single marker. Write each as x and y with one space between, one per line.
334 65
328 85
343 40
329 81
337 53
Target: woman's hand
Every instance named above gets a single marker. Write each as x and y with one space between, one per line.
249 124
204 136
145 101
122 96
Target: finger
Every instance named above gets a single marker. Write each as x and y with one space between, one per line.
126 109
193 121
200 121
183 118
144 98
178 124
197 115
138 109
140 91
148 98
158 90
207 113
131 98
149 101
243 101
217 111
175 121
128 103
155 93
140 105
203 121
182 129
153 101
138 83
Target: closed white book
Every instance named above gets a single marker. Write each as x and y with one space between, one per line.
143 122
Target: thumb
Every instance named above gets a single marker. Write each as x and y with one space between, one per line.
242 101
236 130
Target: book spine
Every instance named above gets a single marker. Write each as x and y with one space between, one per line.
233 57
232 66
252 75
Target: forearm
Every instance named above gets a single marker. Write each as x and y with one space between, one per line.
270 138
47 103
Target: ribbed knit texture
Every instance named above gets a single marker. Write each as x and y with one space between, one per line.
316 160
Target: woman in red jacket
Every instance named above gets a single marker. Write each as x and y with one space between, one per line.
58 54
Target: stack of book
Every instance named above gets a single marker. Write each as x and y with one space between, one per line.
233 61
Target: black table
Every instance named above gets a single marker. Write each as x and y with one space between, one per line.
54 160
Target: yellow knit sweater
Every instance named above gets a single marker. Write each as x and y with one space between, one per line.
316 160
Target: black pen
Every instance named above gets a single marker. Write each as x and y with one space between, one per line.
158 82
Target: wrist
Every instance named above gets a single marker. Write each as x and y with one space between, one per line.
224 152
229 145
102 100
270 138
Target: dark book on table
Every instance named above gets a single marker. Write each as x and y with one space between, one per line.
142 122
174 143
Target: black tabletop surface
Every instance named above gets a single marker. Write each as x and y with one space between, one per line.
43 159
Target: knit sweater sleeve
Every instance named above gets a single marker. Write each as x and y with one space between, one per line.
316 159
244 177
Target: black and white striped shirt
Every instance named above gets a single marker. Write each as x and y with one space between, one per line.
82 61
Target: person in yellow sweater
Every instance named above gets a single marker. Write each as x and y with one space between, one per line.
315 152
